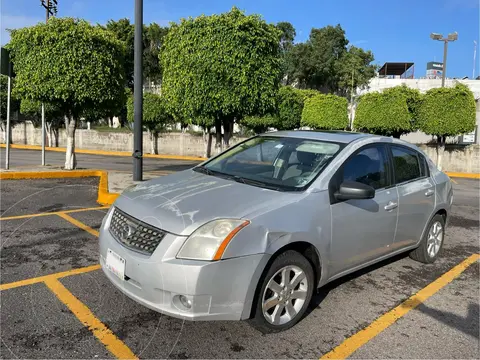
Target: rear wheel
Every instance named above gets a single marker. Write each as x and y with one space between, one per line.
283 293
432 242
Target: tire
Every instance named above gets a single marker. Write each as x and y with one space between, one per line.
296 295
424 253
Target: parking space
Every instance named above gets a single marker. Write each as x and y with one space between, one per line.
82 315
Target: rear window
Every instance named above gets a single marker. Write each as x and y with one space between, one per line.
406 163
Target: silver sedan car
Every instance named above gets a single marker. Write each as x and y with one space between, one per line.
253 232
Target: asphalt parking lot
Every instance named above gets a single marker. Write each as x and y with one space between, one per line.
48 310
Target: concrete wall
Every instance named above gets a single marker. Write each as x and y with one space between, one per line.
456 158
169 143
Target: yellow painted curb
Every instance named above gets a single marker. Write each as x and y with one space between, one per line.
463 175
104 196
105 152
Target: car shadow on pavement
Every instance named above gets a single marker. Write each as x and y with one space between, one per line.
468 325
322 293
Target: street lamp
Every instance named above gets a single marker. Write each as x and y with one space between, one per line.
439 37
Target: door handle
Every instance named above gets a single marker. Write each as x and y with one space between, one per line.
429 192
391 205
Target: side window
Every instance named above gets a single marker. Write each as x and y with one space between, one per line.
369 167
423 166
406 163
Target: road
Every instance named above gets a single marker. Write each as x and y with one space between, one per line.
84 316
24 158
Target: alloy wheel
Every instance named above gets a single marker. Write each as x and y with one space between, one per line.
435 238
284 295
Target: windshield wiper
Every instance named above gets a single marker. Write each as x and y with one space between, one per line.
254 183
204 170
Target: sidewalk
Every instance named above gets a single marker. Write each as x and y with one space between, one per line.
117 180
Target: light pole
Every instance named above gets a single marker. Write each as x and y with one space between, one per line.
50 9
439 37
138 94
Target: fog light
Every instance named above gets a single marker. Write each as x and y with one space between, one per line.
187 303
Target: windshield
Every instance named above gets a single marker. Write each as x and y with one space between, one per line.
280 163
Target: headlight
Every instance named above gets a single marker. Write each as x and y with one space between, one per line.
209 241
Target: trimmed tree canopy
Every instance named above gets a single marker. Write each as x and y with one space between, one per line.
68 63
155 114
447 111
392 112
290 106
221 66
327 112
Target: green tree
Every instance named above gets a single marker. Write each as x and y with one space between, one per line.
354 70
124 31
71 64
326 112
154 35
325 63
54 117
221 67
392 112
287 37
447 112
290 106
155 116
259 124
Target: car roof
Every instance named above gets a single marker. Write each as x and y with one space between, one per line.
332 135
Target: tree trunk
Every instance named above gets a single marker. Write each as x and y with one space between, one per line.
207 141
48 125
153 142
218 136
70 160
55 134
227 131
440 151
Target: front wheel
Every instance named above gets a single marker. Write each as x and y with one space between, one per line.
284 293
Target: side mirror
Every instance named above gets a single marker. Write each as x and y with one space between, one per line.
354 190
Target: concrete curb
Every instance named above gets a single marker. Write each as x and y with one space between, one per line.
463 175
105 152
104 196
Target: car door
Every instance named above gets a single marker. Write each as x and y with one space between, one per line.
416 194
363 230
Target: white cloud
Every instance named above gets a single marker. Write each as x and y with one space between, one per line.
15 22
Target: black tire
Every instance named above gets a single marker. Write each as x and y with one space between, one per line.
421 253
287 258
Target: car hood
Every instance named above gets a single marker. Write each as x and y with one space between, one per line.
180 202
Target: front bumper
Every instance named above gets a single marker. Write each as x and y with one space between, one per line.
219 290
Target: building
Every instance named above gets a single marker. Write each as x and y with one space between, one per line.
434 70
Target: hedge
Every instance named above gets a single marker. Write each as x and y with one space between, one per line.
447 111
328 112
392 112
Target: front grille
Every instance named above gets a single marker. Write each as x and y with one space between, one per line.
135 234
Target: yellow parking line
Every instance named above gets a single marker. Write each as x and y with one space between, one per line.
52 213
78 223
87 318
354 342
452 180
39 279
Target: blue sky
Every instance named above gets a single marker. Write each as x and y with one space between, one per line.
393 30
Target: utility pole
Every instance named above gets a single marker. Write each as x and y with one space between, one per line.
7 134
474 58
50 9
138 94
439 37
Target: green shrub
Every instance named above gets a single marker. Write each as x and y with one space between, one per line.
392 112
447 111
328 112
259 124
